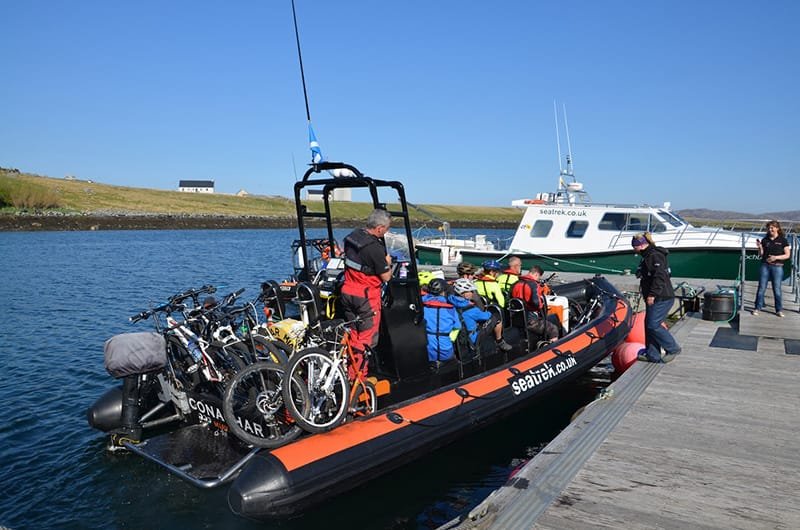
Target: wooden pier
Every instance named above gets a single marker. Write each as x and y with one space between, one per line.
767 323
711 440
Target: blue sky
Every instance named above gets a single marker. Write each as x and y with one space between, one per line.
690 102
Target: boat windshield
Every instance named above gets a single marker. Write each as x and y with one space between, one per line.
672 218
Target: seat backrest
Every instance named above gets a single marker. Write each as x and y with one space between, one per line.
310 302
271 296
516 308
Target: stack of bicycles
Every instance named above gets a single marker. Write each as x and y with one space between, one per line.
228 353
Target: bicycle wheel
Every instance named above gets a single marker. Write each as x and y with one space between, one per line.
254 409
266 350
365 399
327 387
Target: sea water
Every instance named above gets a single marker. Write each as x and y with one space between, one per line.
64 293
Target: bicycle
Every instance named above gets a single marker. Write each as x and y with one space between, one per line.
254 409
194 359
334 380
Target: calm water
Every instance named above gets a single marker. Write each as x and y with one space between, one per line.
65 293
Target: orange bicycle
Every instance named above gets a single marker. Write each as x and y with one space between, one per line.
336 383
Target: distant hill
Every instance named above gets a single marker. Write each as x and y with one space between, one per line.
725 215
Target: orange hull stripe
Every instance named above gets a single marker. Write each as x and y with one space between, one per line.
312 448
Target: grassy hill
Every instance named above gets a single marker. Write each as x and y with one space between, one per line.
27 193
23 194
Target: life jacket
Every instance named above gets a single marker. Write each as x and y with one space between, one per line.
440 319
487 286
507 280
530 292
470 316
357 273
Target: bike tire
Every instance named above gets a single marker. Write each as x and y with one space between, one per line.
364 401
327 409
253 403
266 350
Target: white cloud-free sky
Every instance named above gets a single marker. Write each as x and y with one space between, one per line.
690 102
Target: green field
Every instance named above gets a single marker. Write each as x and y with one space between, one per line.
22 192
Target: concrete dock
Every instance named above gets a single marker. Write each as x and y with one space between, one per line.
711 440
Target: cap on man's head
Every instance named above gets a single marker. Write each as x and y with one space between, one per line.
639 240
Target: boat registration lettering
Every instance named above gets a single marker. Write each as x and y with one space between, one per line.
561 211
207 412
536 376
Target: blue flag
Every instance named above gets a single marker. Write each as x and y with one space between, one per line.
316 152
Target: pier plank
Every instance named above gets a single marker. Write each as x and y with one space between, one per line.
767 324
708 441
711 443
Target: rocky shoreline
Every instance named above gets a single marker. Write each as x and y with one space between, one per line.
45 222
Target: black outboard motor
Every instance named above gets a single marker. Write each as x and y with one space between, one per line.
127 356
105 414
130 428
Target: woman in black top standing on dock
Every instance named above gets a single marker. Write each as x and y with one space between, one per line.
774 250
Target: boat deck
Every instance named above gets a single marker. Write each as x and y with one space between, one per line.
707 441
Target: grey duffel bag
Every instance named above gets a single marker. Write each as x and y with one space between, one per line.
135 353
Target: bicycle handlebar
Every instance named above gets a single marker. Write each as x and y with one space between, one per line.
193 293
163 308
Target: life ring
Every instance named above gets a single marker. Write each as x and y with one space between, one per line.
534 201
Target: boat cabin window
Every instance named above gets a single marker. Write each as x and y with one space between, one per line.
577 228
656 225
541 228
638 222
673 219
633 222
612 221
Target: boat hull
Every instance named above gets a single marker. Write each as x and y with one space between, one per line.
288 479
684 263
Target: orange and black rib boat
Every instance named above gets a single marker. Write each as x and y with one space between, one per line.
421 405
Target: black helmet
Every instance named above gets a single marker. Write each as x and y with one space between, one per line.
437 286
466 267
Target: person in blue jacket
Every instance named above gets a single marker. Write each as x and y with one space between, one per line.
440 319
473 316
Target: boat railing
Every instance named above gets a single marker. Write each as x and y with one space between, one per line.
688 234
427 235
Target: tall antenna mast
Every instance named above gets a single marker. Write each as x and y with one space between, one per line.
558 144
300 57
316 152
570 170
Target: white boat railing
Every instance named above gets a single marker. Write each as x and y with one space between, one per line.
689 236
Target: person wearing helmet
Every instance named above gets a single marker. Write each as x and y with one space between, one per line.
424 278
474 318
367 266
487 283
466 270
440 320
530 290
510 275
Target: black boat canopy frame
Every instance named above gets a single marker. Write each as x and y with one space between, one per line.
358 180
